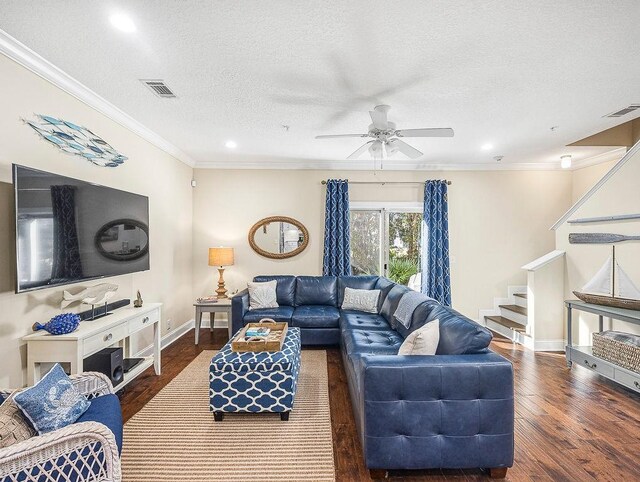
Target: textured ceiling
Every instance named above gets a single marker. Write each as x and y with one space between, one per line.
497 72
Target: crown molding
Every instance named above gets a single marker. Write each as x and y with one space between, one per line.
401 165
29 59
389 165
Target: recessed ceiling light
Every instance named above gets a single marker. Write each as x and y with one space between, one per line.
565 161
230 144
122 22
487 147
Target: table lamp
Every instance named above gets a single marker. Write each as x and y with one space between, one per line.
221 257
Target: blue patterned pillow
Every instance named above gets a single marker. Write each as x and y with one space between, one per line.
53 402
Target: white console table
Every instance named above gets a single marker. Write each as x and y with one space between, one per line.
90 337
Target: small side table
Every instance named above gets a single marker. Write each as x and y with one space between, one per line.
221 306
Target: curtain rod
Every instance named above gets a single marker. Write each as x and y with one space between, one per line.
385 182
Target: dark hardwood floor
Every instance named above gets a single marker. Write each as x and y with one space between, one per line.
571 425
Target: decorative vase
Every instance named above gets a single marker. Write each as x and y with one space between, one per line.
59 325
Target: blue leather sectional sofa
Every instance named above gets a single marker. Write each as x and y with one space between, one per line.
452 410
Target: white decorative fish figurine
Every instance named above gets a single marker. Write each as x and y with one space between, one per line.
94 295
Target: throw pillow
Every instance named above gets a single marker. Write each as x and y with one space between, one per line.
53 402
423 341
14 427
262 295
361 300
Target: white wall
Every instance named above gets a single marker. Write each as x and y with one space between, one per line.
149 171
499 220
619 195
585 178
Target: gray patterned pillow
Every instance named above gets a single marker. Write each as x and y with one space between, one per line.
14 427
361 300
262 295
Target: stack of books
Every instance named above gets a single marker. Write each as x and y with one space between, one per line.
207 299
257 331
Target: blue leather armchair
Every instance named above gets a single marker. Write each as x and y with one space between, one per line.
451 410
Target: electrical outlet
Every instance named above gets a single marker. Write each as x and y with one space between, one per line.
169 324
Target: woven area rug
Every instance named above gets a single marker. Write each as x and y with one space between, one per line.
174 437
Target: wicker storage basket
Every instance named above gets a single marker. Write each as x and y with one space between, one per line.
623 349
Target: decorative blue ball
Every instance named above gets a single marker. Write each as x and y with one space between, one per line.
60 325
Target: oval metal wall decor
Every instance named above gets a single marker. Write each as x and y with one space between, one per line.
78 140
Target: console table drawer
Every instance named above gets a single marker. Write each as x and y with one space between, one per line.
144 320
594 364
628 380
106 338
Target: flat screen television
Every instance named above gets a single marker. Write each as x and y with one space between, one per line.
69 230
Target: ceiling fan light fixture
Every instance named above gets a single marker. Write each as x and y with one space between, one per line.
386 138
391 148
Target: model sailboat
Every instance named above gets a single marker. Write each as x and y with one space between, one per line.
601 290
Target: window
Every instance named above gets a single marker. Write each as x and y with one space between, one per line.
386 240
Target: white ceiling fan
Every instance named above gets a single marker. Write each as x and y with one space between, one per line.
385 136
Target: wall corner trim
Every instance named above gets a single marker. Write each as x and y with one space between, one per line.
630 153
29 59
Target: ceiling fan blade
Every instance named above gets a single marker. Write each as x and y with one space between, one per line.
405 148
358 152
379 119
436 132
333 136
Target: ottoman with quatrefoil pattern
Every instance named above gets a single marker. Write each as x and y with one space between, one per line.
255 381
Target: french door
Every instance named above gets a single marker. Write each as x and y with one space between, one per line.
386 240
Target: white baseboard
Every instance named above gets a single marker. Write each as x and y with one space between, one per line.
169 338
218 324
173 335
549 345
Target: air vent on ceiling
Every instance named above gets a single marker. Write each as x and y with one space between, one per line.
159 88
624 111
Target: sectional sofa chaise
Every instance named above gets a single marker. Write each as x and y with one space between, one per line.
451 410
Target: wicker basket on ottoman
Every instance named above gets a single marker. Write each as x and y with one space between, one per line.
620 348
255 381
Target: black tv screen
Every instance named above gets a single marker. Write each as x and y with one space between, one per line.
69 230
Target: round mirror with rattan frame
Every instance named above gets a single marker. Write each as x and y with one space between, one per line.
278 219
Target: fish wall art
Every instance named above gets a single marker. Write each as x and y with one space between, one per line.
74 139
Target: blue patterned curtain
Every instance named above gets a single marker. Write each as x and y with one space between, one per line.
337 251
66 261
436 277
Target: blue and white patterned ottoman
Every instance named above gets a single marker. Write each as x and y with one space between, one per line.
255 381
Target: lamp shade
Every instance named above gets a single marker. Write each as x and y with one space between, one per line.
220 256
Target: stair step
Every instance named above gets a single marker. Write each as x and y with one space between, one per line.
521 310
501 320
521 295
